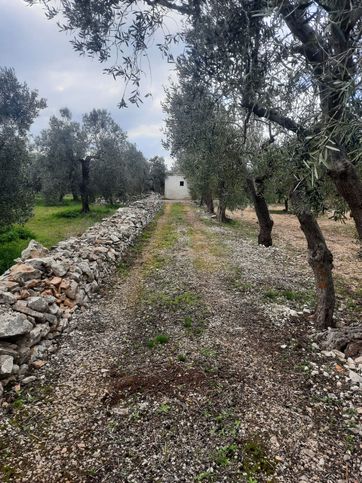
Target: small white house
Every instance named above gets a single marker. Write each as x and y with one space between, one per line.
176 188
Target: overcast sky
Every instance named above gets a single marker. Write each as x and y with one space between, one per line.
43 58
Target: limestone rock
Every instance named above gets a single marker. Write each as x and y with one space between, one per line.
355 377
34 250
58 268
28 380
7 298
39 332
23 273
12 325
6 365
71 292
22 307
38 304
8 349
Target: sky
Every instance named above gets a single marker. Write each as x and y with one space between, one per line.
44 58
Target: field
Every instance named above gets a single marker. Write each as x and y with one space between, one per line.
48 225
194 364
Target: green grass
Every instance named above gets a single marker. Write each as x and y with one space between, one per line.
187 322
124 267
48 225
12 243
291 295
158 340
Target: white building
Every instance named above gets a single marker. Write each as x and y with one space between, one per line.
176 188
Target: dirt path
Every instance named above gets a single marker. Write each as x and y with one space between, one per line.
191 366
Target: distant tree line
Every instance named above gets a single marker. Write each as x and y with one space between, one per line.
92 159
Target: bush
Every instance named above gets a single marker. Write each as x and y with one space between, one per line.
12 242
16 233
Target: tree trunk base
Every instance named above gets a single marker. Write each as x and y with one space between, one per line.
347 340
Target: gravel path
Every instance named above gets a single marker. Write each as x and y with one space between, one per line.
193 365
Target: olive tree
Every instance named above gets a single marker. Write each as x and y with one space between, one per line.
60 147
19 106
257 50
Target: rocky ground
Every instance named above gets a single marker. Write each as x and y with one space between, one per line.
195 363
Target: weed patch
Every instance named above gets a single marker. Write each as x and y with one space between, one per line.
124 267
255 459
291 295
159 339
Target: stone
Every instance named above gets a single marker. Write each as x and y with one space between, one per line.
6 365
39 332
23 273
38 303
340 355
39 364
58 268
69 303
39 263
32 284
355 377
7 285
354 349
22 307
8 349
65 284
85 268
71 292
23 354
28 380
24 294
52 319
55 281
12 325
358 360
37 352
34 250
54 309
1 389
23 369
7 298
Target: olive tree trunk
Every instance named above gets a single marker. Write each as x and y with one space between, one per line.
262 213
209 202
321 261
221 207
84 185
349 186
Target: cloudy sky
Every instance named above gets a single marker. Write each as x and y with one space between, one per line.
43 57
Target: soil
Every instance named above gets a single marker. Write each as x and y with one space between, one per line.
197 363
341 239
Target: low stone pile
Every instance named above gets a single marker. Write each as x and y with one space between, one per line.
39 294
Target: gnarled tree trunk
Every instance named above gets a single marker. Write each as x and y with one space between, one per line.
84 186
209 202
221 212
286 205
221 207
349 186
321 261
262 213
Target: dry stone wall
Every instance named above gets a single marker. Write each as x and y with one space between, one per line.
39 295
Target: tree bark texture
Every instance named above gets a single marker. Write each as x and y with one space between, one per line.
84 186
321 261
332 79
349 186
209 203
262 213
